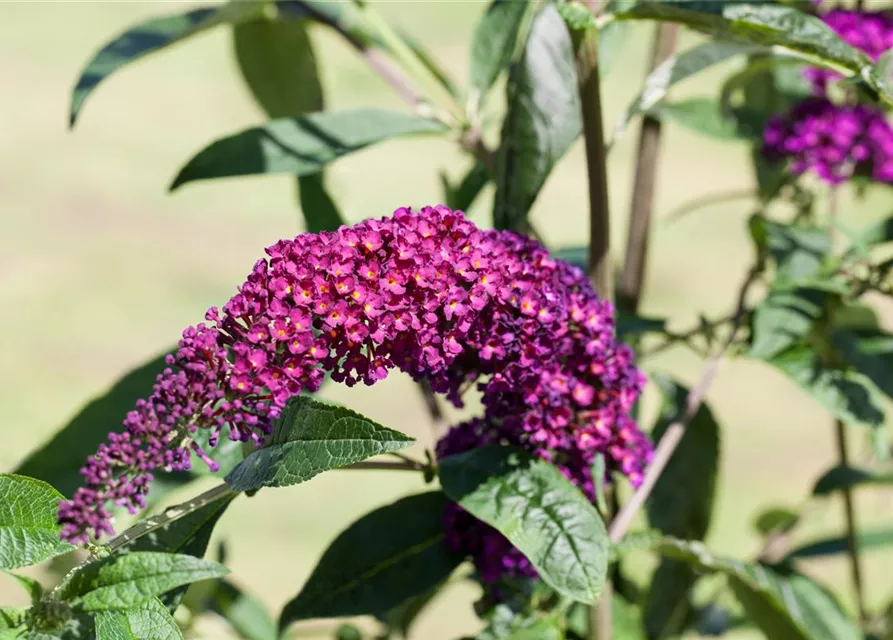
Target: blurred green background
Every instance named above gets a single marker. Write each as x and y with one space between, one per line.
102 268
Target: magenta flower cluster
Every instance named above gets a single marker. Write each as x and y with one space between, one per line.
424 292
838 141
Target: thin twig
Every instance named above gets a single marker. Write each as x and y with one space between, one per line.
676 430
633 273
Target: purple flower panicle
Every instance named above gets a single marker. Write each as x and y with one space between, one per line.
425 292
835 141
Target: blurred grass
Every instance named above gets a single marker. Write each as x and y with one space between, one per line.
102 268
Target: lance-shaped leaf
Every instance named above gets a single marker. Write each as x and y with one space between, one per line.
775 519
540 512
798 252
140 41
543 118
378 562
673 70
784 606
494 42
59 461
301 146
680 505
132 579
849 395
767 25
784 318
29 532
150 621
10 619
277 63
866 540
311 437
838 478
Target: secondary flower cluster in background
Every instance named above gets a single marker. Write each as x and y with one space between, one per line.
838 141
424 292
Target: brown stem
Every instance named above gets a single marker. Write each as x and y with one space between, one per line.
676 430
633 273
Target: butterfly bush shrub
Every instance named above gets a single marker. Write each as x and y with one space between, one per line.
544 495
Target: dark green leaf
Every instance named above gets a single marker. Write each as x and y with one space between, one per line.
311 437
674 70
767 25
344 17
246 616
701 115
849 395
784 318
32 586
59 461
348 632
132 579
775 519
576 256
461 197
301 146
878 233
784 607
540 512
400 618
150 621
493 43
870 352
866 540
838 478
385 557
543 118
139 41
28 530
320 211
680 505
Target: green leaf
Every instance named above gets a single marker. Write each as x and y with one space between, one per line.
671 71
430 63
784 607
311 437
320 211
132 579
400 618
866 540
11 618
150 621
278 64
599 471
543 118
540 512
635 541
849 395
630 324
680 505
577 15
493 43
505 623
137 42
59 461
611 39
30 585
868 351
246 616
767 25
28 530
461 197
798 252
701 115
378 562
840 477
783 319
301 146
775 519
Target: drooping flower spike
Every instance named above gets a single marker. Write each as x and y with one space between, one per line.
425 292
